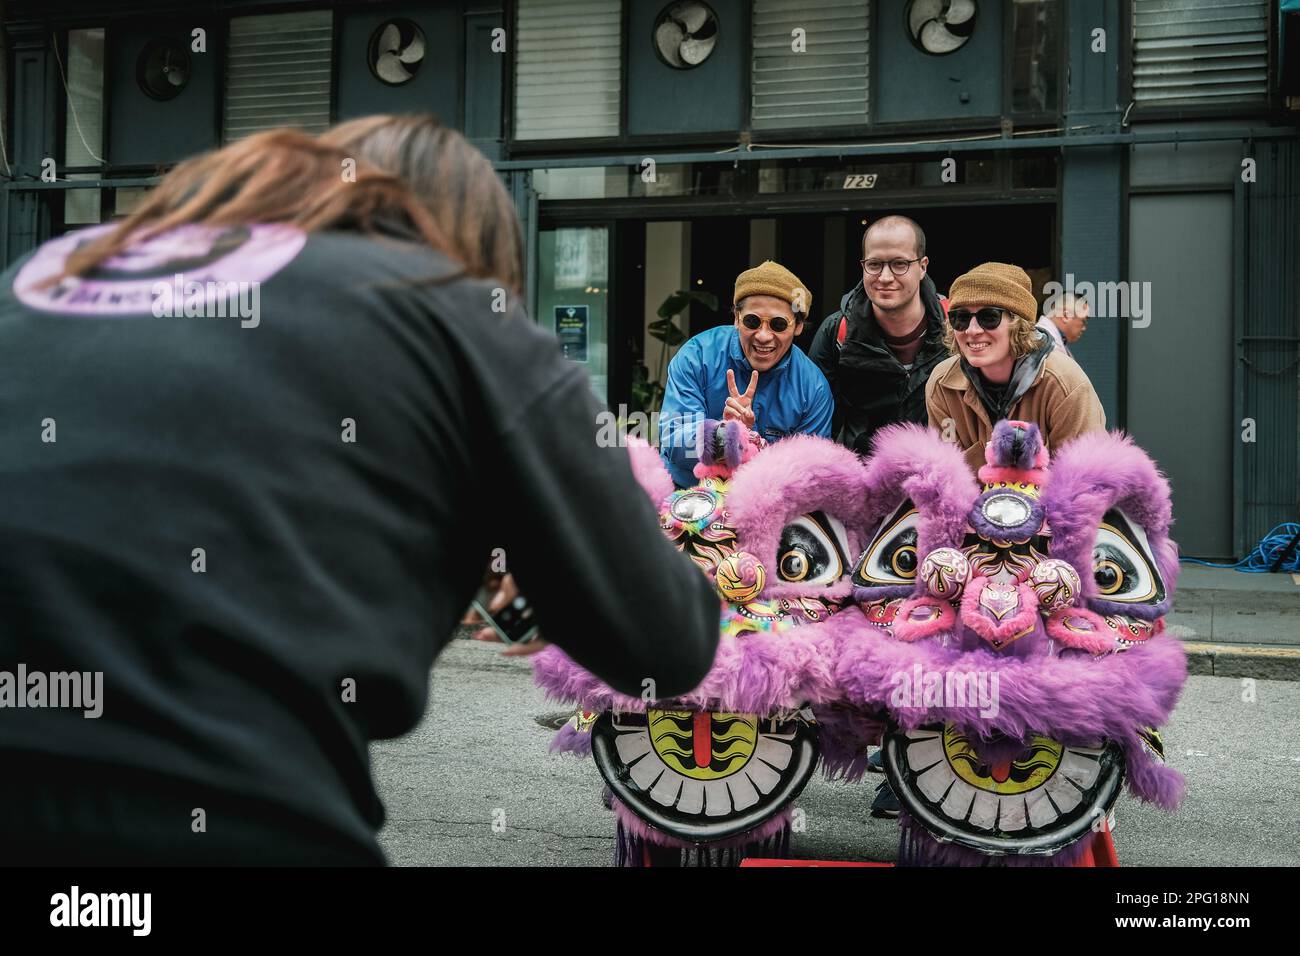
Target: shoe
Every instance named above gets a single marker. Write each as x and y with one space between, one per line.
876 762
886 805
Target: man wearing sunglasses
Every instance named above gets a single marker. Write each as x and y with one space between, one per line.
748 371
880 347
1003 366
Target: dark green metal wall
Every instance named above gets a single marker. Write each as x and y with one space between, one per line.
1268 345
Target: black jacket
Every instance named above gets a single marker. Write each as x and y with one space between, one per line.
871 387
327 560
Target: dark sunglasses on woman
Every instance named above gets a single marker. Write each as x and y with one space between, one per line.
754 323
989 319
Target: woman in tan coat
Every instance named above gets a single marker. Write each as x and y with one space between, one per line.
1003 367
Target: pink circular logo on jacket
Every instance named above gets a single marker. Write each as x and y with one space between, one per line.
189 270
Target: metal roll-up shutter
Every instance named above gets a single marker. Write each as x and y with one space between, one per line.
1199 51
278 73
827 84
567 69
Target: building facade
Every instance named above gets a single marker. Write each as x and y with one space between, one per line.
1145 152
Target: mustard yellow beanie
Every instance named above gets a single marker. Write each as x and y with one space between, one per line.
996 284
772 278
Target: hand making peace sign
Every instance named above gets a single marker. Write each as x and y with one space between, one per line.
739 406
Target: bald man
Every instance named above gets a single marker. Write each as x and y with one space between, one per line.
879 347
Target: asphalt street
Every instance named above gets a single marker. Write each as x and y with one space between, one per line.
474 785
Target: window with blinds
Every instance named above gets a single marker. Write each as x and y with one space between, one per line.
1188 52
827 83
278 73
567 69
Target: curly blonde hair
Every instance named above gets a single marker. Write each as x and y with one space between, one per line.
1025 336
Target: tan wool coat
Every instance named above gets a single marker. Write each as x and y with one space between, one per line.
1061 401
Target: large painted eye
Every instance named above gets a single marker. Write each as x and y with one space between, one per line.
891 559
1122 563
813 550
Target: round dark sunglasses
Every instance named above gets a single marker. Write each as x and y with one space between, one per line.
754 323
989 319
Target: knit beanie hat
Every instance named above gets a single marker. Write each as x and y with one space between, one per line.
772 278
995 284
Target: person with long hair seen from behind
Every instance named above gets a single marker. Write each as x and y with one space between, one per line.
261 439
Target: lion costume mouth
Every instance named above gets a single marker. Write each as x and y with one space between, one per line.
1034 802
704 775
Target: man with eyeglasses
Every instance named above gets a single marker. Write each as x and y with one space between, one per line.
748 371
881 345
1002 366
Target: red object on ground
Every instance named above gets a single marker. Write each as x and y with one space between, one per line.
1102 850
761 862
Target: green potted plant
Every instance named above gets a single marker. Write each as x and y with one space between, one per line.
647 392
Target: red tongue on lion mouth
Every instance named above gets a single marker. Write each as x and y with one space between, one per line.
702 738
1001 771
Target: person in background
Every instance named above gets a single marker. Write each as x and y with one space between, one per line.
1067 321
1002 366
260 534
748 371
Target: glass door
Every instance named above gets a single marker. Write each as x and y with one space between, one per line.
573 295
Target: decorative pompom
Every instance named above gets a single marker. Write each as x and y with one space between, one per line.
1056 584
945 572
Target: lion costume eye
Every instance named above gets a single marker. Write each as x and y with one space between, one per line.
891 559
1122 563
812 550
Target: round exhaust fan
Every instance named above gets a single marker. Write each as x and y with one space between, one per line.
163 68
941 26
396 51
685 34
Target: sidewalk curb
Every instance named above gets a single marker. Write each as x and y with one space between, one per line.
1238 660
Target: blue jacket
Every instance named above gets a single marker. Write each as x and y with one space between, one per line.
792 398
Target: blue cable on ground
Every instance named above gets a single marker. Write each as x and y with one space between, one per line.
1279 543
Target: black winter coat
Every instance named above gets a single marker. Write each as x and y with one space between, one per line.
870 386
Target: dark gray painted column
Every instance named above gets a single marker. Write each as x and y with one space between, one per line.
32 136
1092 180
484 79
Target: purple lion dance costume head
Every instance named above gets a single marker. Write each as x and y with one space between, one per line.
714 773
1006 638
1019 652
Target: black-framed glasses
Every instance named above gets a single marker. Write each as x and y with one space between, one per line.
899 267
989 319
777 324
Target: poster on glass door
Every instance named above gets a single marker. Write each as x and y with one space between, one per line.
571 330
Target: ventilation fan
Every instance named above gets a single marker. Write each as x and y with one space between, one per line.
941 26
396 51
163 68
685 34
